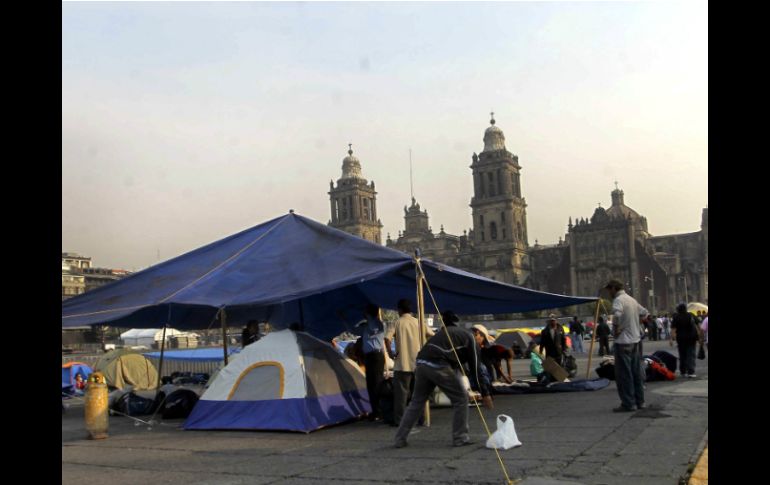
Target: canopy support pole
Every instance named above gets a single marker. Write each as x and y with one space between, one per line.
222 320
301 316
160 364
421 320
593 338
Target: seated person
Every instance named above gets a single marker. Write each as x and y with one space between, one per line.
80 383
536 368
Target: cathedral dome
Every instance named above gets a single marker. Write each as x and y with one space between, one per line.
351 167
619 209
494 139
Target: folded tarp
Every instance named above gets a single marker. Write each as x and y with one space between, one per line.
534 387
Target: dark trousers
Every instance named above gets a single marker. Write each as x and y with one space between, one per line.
402 390
375 366
629 375
425 381
604 346
686 357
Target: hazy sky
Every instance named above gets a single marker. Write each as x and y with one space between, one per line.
183 123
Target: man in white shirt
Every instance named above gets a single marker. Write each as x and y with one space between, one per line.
406 331
627 313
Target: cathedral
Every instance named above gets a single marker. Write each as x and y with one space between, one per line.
659 271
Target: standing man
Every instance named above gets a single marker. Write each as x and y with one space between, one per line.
250 333
603 334
553 340
372 336
627 314
406 331
576 334
686 331
437 366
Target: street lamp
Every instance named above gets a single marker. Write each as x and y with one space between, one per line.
652 290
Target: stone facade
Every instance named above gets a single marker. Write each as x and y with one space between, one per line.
354 202
496 247
614 243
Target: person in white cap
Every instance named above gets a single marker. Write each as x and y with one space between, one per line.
492 355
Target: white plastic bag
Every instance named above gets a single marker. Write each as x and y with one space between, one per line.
505 436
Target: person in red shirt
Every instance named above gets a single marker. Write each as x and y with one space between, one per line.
80 383
492 355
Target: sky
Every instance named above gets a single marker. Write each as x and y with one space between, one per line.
184 123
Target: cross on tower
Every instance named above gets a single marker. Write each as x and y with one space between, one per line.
616 185
493 117
350 148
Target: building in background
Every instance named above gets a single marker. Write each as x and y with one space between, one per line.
613 244
78 275
354 202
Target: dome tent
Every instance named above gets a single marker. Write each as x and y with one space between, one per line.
286 381
70 370
123 367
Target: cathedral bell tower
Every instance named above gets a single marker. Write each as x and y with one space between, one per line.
499 211
354 202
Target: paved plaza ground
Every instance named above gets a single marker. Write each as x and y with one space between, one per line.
567 438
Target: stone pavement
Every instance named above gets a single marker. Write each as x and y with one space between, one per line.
568 438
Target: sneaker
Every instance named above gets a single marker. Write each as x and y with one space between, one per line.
464 443
691 376
622 409
401 444
641 406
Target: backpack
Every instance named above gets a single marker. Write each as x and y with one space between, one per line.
659 372
570 365
132 405
606 370
668 359
179 404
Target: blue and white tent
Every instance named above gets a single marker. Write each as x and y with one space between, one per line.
286 381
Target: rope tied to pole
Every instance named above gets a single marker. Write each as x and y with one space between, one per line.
421 276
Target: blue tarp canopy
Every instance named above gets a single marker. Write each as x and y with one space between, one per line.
198 355
291 269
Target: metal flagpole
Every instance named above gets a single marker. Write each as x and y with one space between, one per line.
421 319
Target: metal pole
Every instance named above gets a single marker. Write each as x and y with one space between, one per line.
301 316
160 364
686 295
652 293
593 337
421 320
222 320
